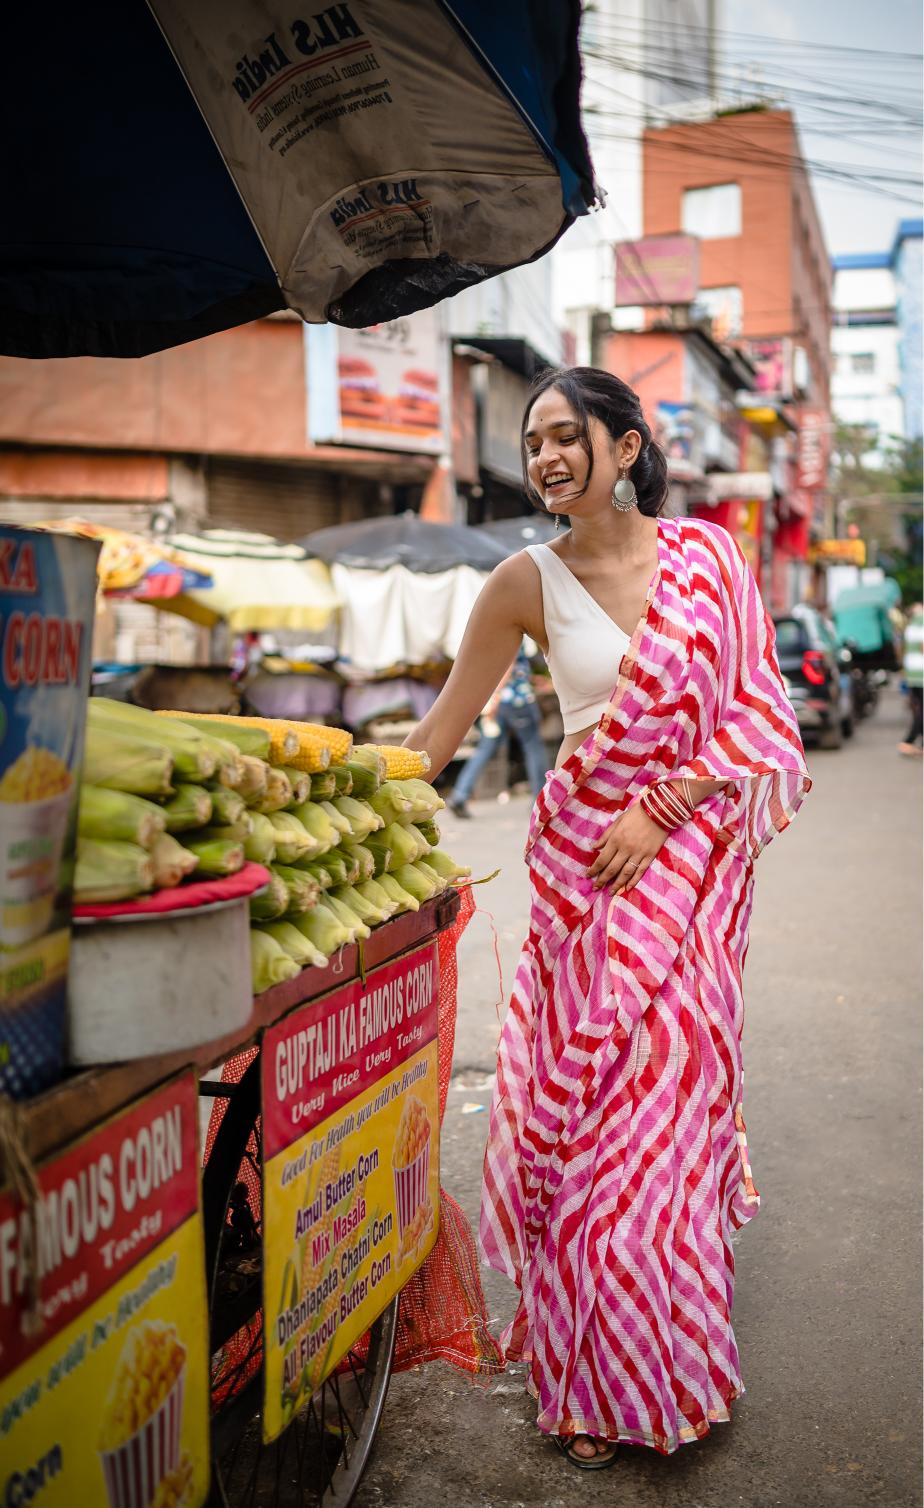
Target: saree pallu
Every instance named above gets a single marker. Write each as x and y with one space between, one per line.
617 1167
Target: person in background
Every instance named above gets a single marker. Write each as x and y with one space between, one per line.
512 710
913 671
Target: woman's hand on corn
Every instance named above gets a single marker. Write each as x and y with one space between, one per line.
626 850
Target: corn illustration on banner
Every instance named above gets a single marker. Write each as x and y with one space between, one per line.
351 1169
107 1405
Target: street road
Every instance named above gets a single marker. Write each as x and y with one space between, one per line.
828 1291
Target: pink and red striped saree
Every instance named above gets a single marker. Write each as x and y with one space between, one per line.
617 1166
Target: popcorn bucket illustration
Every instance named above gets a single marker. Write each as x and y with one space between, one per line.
411 1162
149 1386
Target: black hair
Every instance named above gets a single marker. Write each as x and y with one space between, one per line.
599 395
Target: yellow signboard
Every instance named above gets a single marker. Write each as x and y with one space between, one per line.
840 551
351 1170
107 1405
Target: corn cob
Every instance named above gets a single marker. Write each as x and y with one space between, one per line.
295 944
260 847
324 786
190 806
300 782
216 856
272 902
283 740
124 762
119 815
401 763
172 862
250 741
269 964
111 871
314 740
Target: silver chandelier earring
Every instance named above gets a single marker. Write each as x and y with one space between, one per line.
625 496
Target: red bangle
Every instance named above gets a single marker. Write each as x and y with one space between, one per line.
667 807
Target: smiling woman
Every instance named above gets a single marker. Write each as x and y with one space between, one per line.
617 1166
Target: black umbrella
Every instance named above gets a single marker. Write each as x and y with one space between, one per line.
374 544
516 533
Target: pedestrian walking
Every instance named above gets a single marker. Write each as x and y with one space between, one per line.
913 676
512 712
617 1166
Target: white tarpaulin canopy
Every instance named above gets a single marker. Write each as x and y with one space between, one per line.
398 617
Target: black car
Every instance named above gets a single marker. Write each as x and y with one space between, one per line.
814 676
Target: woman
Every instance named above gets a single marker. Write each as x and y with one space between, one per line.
617 1167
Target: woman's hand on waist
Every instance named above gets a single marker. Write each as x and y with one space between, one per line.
626 850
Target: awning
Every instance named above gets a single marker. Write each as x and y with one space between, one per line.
259 583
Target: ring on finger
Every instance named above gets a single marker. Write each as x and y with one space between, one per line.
630 865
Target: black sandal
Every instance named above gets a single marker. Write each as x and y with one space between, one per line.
565 1443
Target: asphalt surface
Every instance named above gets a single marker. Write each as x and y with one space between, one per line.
828 1291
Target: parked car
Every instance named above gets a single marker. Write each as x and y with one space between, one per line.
816 674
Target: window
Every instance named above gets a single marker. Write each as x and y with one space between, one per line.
712 212
863 363
724 307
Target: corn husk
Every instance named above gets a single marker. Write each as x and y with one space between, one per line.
425 803
111 871
324 786
316 822
430 873
362 819
337 819
230 832
119 816
189 807
445 866
172 862
332 863
391 803
269 964
272 902
429 832
383 857
254 779
323 929
278 794
293 840
120 761
405 843
303 888
300 782
295 944
368 913
192 757
417 882
363 858
217 856
405 901
318 868
373 892
342 776
227 806
358 929
364 782
371 759
247 740
260 847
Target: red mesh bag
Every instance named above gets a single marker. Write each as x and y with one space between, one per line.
442 1312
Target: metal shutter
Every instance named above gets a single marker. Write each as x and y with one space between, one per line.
282 500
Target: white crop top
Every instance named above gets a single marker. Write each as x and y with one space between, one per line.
585 646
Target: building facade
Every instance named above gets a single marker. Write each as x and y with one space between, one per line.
908 270
866 386
738 184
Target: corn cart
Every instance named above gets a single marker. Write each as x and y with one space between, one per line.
319 1200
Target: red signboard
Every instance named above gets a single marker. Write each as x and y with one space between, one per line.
657 270
812 449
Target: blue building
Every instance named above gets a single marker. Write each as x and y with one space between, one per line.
908 270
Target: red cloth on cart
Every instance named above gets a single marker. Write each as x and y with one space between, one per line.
442 1312
229 887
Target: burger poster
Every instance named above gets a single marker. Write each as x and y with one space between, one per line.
382 386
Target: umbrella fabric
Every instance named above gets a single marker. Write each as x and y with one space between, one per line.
377 544
184 168
258 583
516 533
402 617
131 566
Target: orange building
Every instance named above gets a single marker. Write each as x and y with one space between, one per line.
739 184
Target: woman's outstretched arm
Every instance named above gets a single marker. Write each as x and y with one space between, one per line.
491 641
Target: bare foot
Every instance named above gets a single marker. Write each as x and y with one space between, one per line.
590 1447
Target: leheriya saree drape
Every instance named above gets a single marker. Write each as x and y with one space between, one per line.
617 1165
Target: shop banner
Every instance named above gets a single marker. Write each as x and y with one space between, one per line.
384 386
107 1405
47 603
351 1169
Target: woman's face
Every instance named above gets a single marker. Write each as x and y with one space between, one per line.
557 465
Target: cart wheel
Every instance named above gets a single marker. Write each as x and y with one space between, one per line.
320 1458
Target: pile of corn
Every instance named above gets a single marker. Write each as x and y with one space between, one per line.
347 833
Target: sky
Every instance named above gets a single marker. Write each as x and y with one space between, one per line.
858 114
